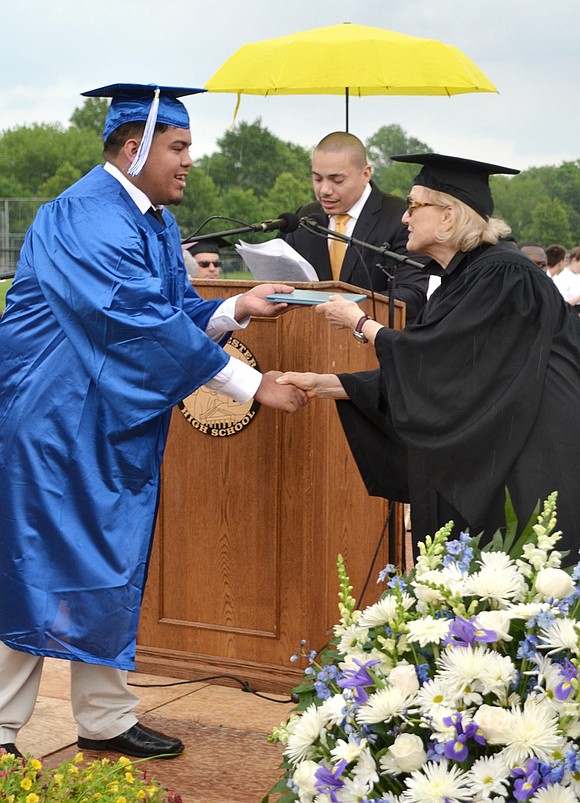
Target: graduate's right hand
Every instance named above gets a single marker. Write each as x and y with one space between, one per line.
287 398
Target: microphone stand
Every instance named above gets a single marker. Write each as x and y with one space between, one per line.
200 238
383 250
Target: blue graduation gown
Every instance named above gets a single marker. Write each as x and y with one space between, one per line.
102 335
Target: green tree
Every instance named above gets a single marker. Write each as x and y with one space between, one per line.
394 177
30 155
201 200
91 115
549 223
250 157
65 175
288 193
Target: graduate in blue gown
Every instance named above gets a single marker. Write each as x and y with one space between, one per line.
102 335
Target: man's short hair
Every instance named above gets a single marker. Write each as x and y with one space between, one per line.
343 142
555 253
120 135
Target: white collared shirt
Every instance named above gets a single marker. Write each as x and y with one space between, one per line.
354 213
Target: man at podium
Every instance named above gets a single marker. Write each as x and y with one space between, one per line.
347 201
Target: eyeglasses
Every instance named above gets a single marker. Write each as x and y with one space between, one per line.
205 263
411 204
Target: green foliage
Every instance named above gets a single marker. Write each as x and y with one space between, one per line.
393 177
30 155
91 115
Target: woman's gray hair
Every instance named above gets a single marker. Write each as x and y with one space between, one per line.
468 229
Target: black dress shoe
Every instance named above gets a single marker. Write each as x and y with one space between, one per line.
138 741
10 747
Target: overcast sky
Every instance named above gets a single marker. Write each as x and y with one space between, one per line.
54 49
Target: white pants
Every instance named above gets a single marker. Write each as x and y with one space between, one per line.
101 701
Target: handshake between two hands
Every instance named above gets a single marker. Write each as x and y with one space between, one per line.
291 390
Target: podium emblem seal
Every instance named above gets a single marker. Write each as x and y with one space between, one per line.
216 414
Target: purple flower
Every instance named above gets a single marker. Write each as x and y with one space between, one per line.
328 780
457 749
528 779
565 688
464 633
357 679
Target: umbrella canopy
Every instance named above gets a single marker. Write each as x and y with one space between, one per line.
349 60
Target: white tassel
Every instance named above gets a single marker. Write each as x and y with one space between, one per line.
145 145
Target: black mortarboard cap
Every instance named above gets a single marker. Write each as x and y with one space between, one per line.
464 179
207 246
148 103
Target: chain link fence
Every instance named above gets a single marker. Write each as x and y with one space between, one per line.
16 215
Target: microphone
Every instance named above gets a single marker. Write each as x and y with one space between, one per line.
287 222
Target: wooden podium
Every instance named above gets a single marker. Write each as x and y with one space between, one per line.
250 524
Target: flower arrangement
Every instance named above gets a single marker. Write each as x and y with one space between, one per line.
25 780
460 684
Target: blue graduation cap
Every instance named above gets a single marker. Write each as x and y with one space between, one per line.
148 103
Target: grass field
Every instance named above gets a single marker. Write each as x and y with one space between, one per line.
4 287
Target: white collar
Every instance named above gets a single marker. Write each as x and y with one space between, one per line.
141 201
356 208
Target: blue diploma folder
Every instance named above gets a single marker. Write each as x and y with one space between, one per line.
313 297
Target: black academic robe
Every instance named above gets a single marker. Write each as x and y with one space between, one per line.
479 394
378 223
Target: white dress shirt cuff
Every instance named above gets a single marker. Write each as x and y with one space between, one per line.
223 320
237 379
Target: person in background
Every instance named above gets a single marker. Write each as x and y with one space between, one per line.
568 281
102 335
348 201
202 259
556 257
535 253
480 393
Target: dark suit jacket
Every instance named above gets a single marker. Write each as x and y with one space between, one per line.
379 223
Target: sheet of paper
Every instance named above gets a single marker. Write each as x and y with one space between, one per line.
276 261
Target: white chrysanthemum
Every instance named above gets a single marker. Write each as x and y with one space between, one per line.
434 694
428 630
382 706
531 731
352 638
497 561
365 768
338 707
307 730
349 751
554 793
488 776
470 669
436 783
499 673
562 634
385 611
497 584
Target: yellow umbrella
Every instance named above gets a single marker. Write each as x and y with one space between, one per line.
351 60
